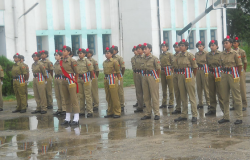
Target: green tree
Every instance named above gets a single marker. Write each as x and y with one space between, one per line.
7 87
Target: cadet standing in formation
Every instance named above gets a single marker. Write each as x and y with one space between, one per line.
202 74
85 70
1 83
133 63
166 60
49 70
28 75
94 82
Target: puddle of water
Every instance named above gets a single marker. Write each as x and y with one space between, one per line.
222 144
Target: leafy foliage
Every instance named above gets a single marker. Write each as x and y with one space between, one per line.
7 87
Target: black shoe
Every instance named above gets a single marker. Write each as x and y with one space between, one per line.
23 111
50 107
199 107
232 109
194 119
74 123
210 113
27 106
65 122
108 116
170 106
135 105
180 119
43 112
238 122
89 115
157 117
63 113
146 117
1 109
223 121
208 107
144 105
176 112
138 110
57 113
35 112
81 114
116 116
163 106
95 109
16 111
122 109
244 109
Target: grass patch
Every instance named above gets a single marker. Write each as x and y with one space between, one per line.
13 98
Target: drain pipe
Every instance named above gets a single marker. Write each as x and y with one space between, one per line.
14 24
25 30
159 21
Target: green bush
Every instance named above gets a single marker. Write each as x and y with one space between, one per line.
7 87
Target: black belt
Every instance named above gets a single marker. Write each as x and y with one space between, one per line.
225 69
163 69
81 75
35 74
200 65
147 72
58 76
107 75
134 70
17 77
176 70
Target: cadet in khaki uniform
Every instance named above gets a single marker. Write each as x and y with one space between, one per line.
186 82
230 78
175 71
94 82
70 86
166 60
1 83
133 61
150 82
49 70
242 53
19 74
214 77
119 59
39 80
111 70
28 75
202 74
58 85
138 68
85 70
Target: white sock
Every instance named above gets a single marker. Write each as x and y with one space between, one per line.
67 117
76 117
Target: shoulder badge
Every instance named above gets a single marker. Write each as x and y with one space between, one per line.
158 62
89 64
239 56
96 64
193 59
23 66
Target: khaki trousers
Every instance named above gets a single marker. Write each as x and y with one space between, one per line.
214 88
26 92
227 84
187 88
121 92
71 100
139 90
49 91
243 89
134 78
112 98
40 95
177 92
1 96
151 95
19 90
59 95
202 84
85 95
94 91
167 83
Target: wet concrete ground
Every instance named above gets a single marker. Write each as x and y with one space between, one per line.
27 136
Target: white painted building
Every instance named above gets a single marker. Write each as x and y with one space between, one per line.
96 24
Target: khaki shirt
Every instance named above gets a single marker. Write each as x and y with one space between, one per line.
174 63
1 72
138 61
84 66
48 64
27 67
243 55
133 62
95 64
111 66
70 65
231 59
57 68
186 60
18 69
201 57
38 67
151 63
214 59
119 59
166 59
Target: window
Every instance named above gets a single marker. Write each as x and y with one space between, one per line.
106 40
213 36
91 43
75 44
178 38
202 36
39 43
166 37
191 40
59 42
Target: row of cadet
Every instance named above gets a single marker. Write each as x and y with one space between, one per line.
215 73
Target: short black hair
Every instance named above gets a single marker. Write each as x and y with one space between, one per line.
58 52
36 54
81 50
90 51
176 44
21 57
200 43
17 55
213 42
164 44
230 40
236 39
184 42
114 48
107 49
147 45
67 48
139 46
134 49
